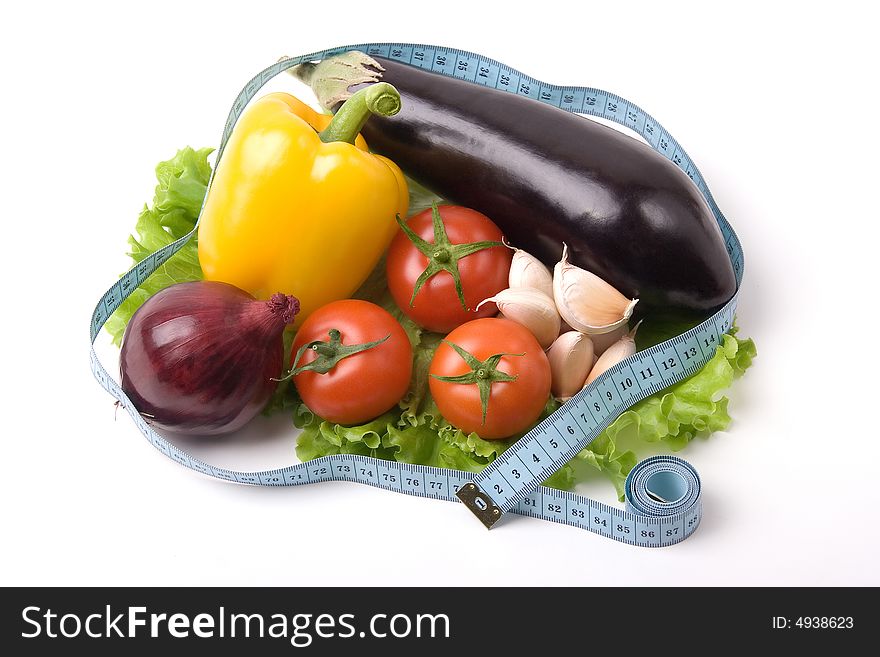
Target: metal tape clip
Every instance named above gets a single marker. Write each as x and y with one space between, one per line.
480 504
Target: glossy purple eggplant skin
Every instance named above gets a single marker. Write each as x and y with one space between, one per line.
546 176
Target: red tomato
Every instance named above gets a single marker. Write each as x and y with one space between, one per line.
514 406
483 274
366 384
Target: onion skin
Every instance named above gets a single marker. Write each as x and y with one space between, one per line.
201 358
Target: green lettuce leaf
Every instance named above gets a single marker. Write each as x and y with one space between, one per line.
416 406
321 438
420 198
285 397
673 417
183 181
423 445
417 433
423 438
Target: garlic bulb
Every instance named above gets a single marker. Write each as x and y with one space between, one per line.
531 308
571 359
602 341
527 271
623 348
585 301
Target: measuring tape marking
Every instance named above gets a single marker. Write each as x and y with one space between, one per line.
506 491
432 482
522 494
576 99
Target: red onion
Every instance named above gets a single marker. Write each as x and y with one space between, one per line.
202 357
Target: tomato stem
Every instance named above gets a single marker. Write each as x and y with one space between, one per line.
442 254
483 374
329 354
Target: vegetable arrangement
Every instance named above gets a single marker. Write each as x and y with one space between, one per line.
437 338
284 191
546 176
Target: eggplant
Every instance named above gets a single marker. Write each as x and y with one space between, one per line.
547 176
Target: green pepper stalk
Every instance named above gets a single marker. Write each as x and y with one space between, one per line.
381 99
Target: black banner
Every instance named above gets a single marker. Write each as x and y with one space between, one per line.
422 621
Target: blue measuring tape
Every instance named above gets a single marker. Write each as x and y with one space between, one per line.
662 492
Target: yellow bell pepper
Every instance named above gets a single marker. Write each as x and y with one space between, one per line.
298 205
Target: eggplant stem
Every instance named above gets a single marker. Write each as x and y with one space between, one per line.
332 78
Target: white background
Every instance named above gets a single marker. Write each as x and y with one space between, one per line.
775 102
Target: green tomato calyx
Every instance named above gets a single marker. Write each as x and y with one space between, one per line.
483 374
442 254
329 354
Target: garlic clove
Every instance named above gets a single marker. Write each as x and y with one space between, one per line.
586 302
531 308
623 348
527 271
571 359
602 341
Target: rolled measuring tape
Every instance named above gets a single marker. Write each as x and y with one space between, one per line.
662 492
